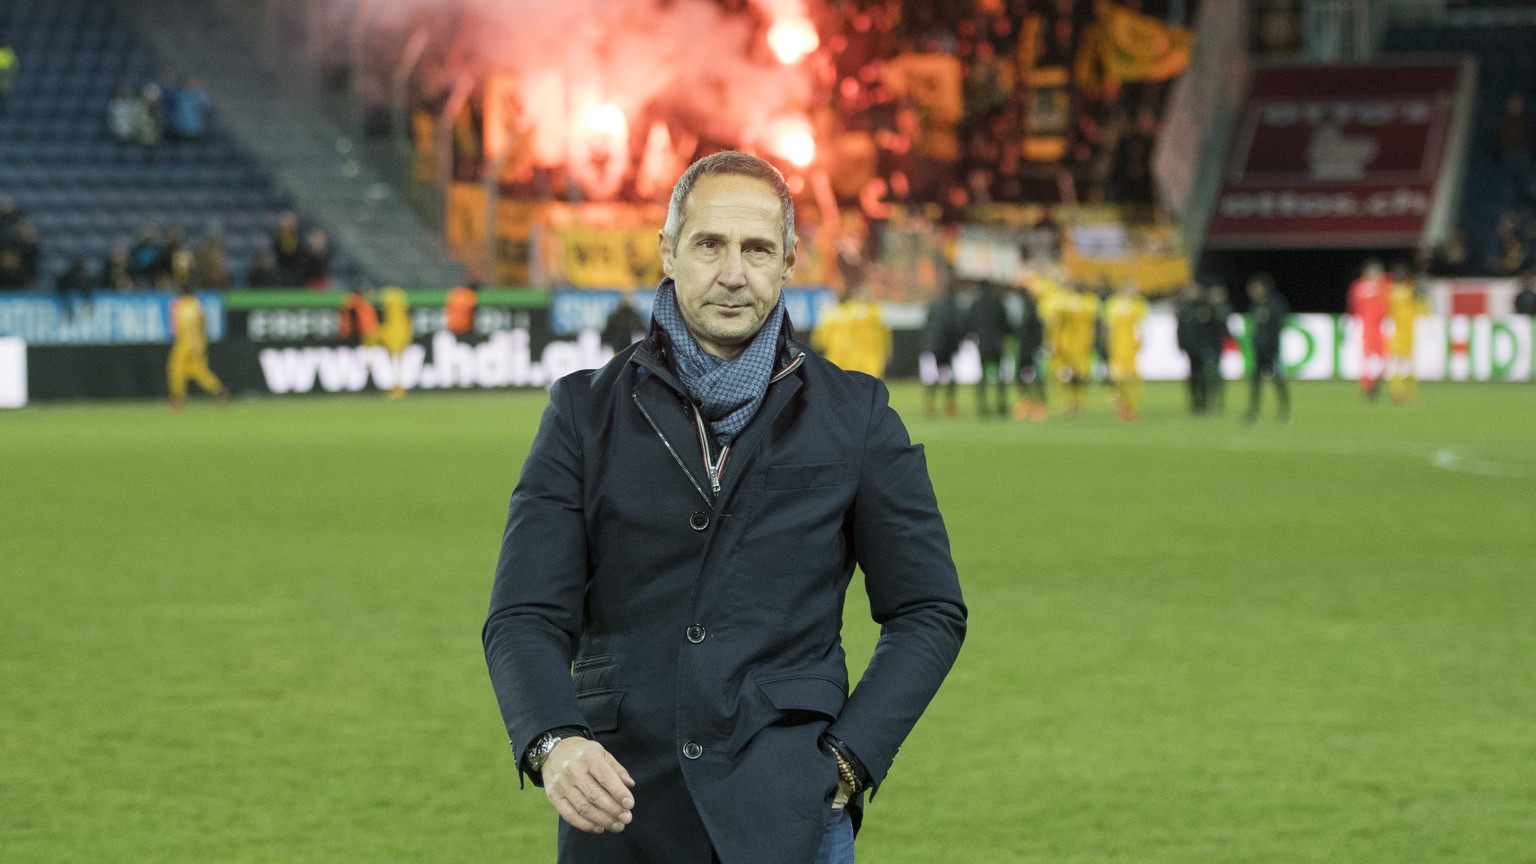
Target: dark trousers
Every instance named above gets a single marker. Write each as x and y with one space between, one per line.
1268 366
1207 389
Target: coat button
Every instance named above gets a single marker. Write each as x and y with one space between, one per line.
699 520
692 750
696 634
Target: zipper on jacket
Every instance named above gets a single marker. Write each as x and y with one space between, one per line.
678 459
712 466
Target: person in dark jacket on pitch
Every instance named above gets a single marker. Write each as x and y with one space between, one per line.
1214 333
1188 314
1201 335
1266 318
622 325
664 635
1032 402
1525 298
987 321
941 339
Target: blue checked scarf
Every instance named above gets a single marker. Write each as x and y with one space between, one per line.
728 392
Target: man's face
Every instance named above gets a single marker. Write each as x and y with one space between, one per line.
730 262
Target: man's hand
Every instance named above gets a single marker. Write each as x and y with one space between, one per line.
588 786
844 792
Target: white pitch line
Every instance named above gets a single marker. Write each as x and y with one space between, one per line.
1448 459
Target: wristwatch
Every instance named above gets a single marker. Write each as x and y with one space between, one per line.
539 750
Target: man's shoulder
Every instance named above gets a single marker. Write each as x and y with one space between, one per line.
830 383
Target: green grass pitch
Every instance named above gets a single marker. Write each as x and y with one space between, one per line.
251 634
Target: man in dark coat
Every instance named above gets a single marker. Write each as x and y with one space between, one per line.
942 331
1031 404
1214 334
1525 298
664 630
622 324
1266 317
1193 314
987 321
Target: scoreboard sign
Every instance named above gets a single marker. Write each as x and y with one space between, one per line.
1340 156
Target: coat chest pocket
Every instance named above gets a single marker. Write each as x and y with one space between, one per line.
601 709
810 475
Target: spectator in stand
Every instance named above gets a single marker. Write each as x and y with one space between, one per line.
1510 256
1450 259
27 244
10 270
73 287
210 264
187 116
287 247
175 267
114 275
170 97
10 214
459 311
144 258
123 116
1131 175
315 261
182 261
146 124
8 64
263 272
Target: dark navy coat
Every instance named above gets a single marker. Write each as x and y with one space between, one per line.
696 631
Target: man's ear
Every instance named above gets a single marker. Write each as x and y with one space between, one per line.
789 263
666 253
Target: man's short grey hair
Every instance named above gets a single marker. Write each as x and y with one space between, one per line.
728 162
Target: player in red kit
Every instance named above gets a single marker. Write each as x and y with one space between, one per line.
1369 301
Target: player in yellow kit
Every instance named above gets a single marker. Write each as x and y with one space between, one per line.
1405 306
395 333
853 335
189 351
1071 316
1124 313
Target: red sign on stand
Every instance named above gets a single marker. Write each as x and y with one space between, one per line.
1340 156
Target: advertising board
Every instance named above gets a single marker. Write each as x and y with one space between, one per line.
1344 155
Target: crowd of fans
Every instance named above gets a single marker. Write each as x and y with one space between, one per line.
1023 131
176 110
165 259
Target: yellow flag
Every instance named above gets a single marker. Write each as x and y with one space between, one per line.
1139 47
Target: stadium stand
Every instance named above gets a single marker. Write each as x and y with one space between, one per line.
85 190
1506 65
